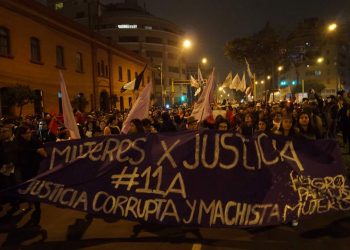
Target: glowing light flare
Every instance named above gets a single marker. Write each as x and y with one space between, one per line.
187 44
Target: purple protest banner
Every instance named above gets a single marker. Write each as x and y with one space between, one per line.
198 179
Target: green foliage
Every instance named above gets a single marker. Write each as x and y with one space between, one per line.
263 50
19 96
318 87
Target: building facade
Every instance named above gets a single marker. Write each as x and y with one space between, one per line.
35 43
132 27
319 58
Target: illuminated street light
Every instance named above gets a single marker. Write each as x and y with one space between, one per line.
280 68
256 82
332 27
204 60
187 44
268 77
262 82
320 60
221 88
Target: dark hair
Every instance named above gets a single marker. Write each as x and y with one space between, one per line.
146 122
21 130
219 119
138 125
289 117
310 128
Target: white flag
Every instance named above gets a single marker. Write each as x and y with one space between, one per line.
194 82
228 80
248 69
68 116
235 82
242 85
140 108
197 91
202 109
200 77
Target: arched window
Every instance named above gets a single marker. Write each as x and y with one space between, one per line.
4 42
104 101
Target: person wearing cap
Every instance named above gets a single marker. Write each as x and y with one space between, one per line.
192 123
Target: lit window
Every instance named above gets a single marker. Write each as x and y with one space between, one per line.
59 6
127 26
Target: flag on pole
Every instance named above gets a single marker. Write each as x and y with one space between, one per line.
139 109
134 84
68 116
197 91
248 91
242 85
200 77
194 82
235 82
202 109
228 80
248 69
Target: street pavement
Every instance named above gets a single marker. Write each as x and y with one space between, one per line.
68 229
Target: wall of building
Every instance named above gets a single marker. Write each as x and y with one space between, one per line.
24 20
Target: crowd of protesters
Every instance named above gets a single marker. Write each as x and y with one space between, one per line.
313 118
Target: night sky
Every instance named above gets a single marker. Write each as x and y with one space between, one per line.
210 23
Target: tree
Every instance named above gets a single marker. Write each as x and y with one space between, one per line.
19 96
318 87
79 102
263 50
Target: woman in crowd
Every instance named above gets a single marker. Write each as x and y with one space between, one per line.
287 127
112 127
136 127
304 126
222 124
247 128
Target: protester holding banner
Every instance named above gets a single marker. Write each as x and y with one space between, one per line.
221 124
136 127
263 126
31 153
304 126
247 128
287 127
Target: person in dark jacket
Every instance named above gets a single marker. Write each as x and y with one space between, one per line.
31 153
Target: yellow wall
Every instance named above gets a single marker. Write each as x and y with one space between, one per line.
18 69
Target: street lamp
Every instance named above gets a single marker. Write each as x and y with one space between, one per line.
268 77
332 27
204 60
320 60
279 69
187 44
262 82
